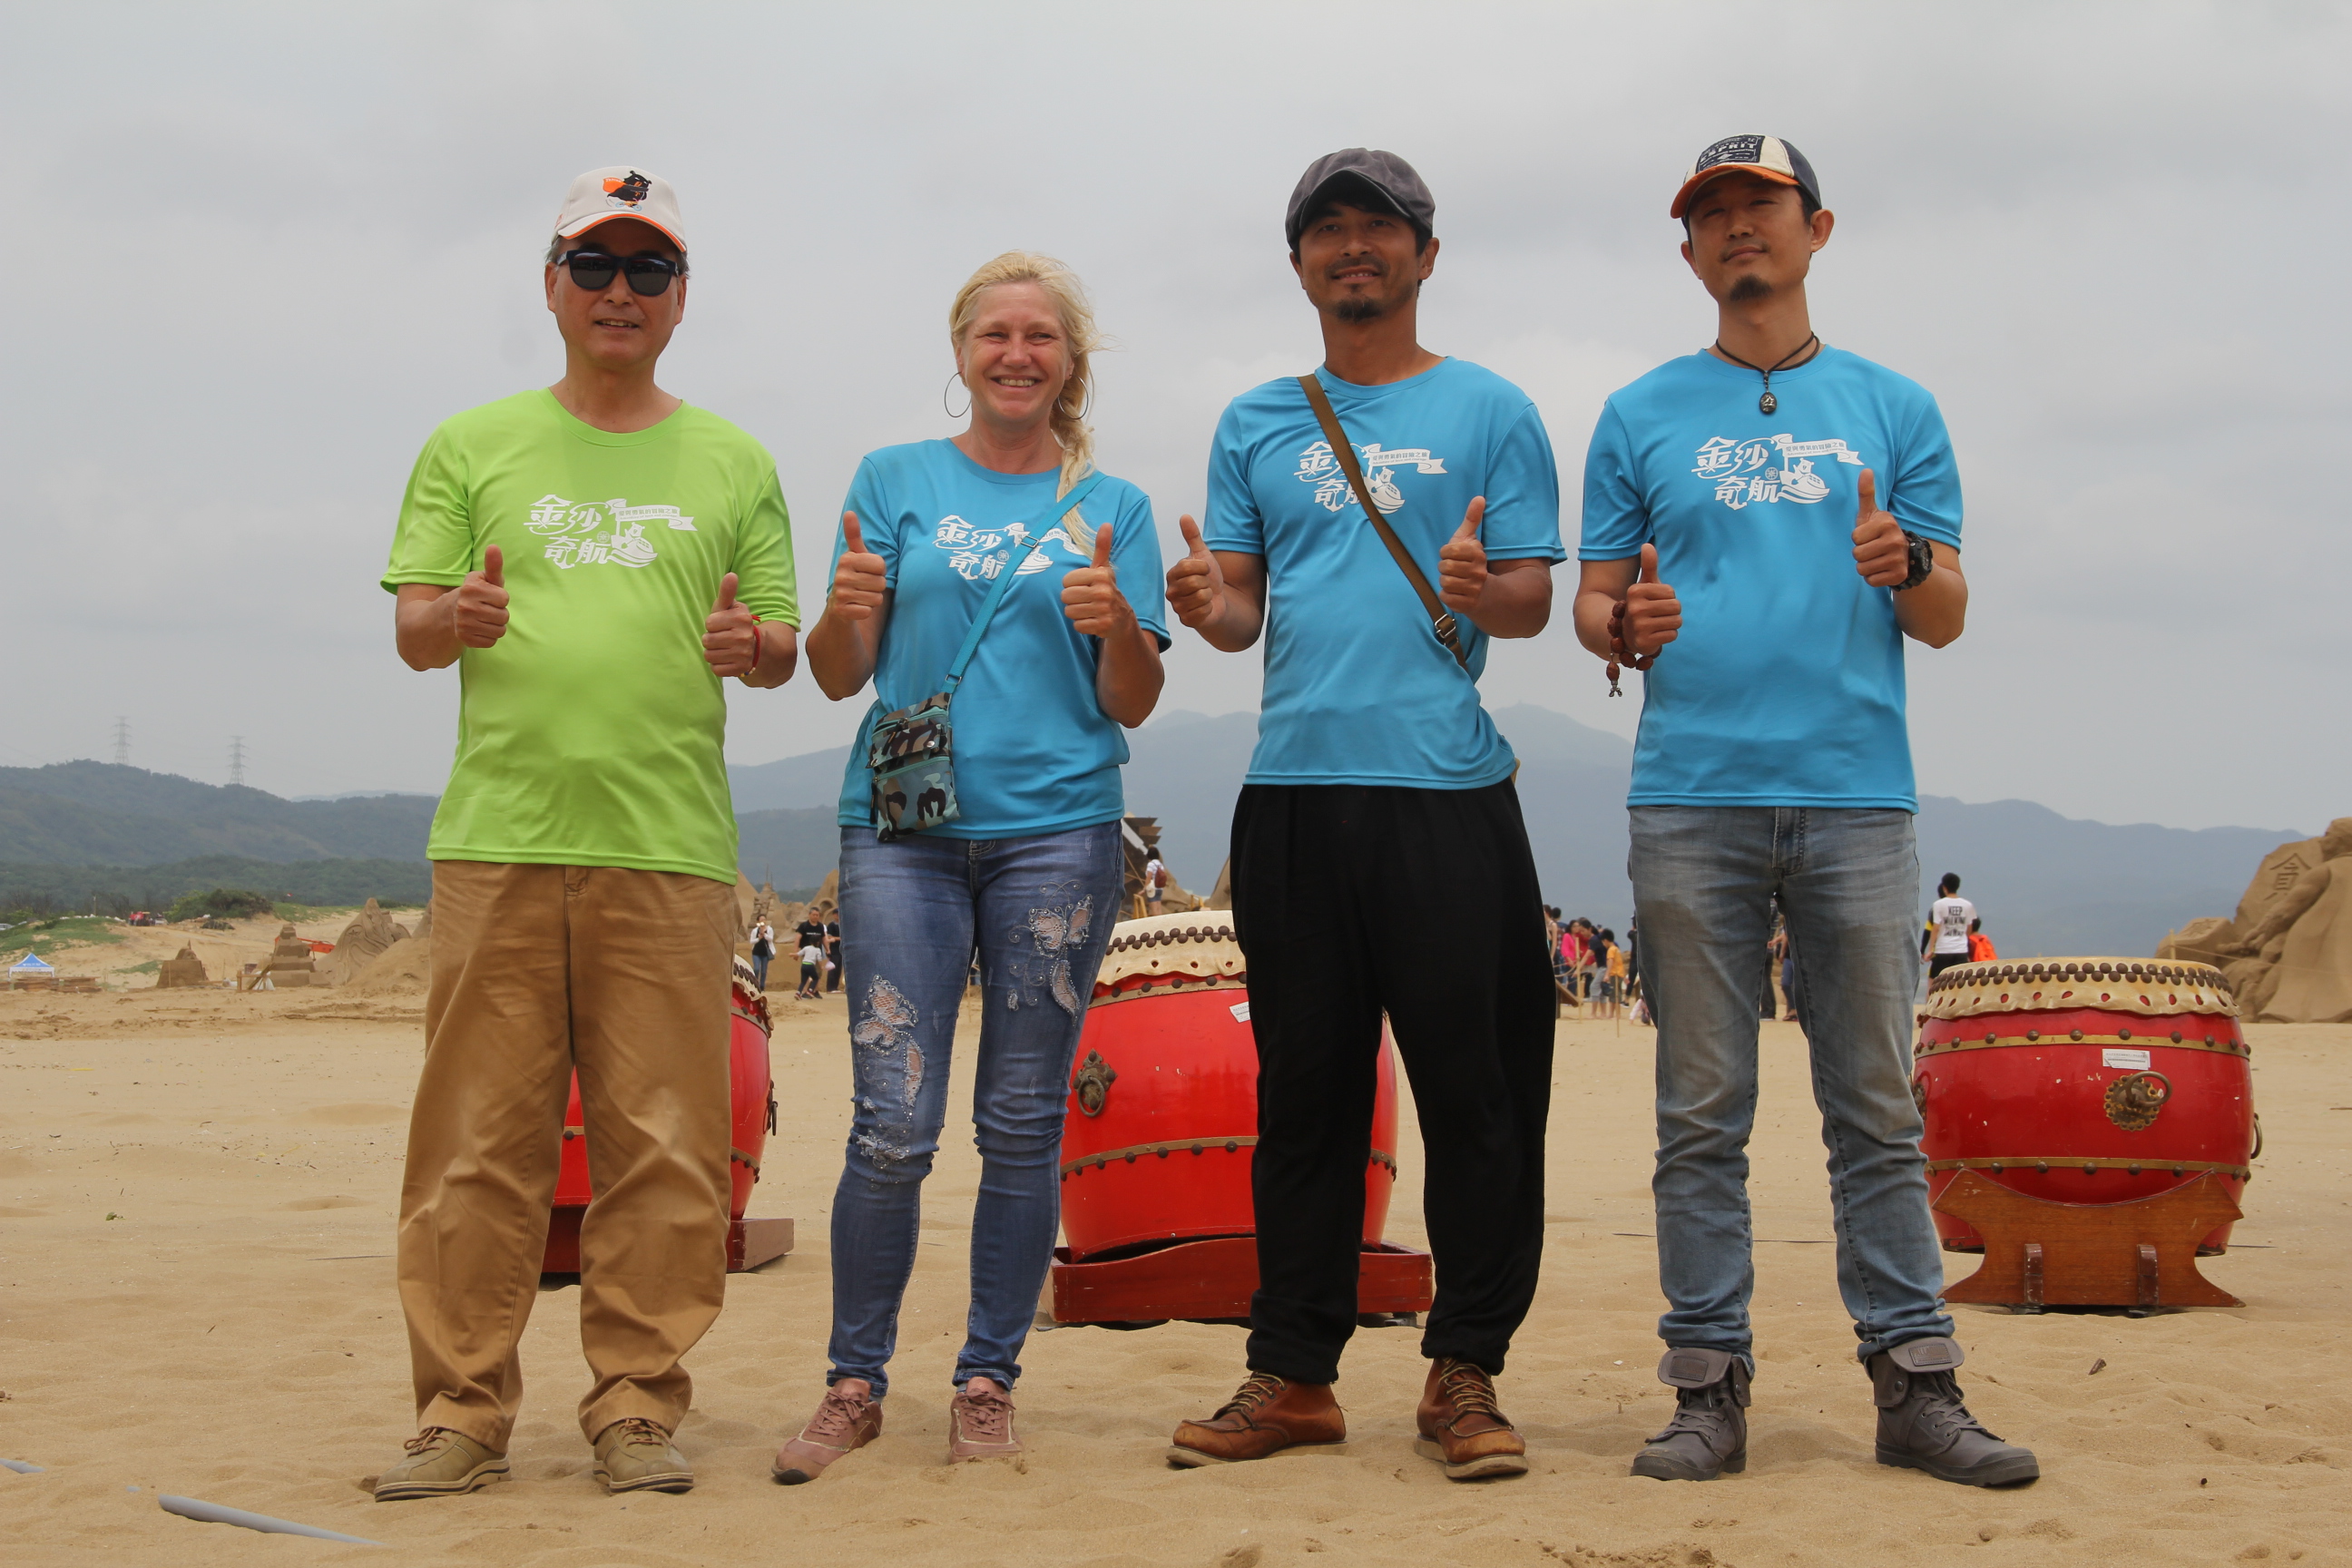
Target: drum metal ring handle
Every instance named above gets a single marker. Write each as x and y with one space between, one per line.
2135 1100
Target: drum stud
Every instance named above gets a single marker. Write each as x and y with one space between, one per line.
1996 1167
2179 1172
1992 1040
1130 1156
1231 1146
2124 1033
1196 1145
2041 1168
2131 1170
2090 1169
2209 1039
2032 1034
2075 1034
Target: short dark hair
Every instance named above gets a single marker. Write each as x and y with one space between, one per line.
1355 191
1952 882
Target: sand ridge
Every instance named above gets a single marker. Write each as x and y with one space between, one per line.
233 1336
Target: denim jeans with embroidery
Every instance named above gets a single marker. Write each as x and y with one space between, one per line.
1036 912
1705 881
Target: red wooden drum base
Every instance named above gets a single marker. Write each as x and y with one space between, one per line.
752 1105
2093 1083
1161 1130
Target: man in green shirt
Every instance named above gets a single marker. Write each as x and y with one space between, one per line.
596 558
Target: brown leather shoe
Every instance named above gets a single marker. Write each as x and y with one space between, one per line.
1461 1426
1265 1416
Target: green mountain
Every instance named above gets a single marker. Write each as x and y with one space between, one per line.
101 813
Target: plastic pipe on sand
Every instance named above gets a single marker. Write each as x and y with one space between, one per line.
21 1468
214 1513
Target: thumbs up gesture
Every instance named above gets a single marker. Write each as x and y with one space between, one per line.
1090 594
730 634
1654 616
478 607
1461 561
1881 553
1196 586
861 580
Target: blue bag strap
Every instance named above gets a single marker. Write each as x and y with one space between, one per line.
1012 565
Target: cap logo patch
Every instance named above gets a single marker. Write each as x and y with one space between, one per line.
1731 150
628 193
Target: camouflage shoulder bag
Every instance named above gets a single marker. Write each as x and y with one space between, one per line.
911 755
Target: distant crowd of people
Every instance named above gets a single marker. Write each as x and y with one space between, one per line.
1594 972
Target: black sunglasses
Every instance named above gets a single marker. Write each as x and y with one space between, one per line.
648 275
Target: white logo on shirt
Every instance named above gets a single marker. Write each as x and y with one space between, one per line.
1319 467
1768 469
979 554
571 530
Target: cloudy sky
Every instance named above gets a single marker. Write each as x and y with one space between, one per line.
258 251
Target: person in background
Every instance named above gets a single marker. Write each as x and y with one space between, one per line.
833 962
1155 885
1030 872
1945 940
809 933
1620 969
598 558
812 957
1980 948
1767 521
763 949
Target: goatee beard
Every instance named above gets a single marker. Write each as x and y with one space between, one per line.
1358 309
1750 288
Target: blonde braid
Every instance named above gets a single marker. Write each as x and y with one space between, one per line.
1075 438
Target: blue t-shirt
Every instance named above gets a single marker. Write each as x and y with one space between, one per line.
1785 687
1033 750
1358 688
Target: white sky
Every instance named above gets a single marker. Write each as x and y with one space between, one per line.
258 251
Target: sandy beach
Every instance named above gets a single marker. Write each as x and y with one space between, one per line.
196 1201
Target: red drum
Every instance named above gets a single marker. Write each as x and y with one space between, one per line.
1163 1122
2083 1081
751 1099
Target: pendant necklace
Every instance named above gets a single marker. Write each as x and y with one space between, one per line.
1767 402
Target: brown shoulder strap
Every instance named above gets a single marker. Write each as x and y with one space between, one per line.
1441 620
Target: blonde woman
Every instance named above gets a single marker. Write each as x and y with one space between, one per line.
1025 866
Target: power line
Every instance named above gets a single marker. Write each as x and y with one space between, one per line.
122 741
236 759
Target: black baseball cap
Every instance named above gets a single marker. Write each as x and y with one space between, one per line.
1390 178
1768 157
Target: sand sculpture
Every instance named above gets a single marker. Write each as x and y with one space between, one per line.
2288 950
372 932
290 961
185 968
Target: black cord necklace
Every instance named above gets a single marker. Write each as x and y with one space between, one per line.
1767 402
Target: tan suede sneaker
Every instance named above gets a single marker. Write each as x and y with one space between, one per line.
634 1454
980 1423
845 1421
440 1463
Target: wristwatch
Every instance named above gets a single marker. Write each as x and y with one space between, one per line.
1923 561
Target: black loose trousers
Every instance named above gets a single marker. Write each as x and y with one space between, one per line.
1336 888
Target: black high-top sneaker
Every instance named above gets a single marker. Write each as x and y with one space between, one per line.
1708 1435
1923 1426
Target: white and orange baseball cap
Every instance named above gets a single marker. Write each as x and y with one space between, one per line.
620 191
1766 157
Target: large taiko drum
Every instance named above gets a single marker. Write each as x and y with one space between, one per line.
1162 1119
752 1113
2083 1081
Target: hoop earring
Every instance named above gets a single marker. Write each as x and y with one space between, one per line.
954 377
1089 408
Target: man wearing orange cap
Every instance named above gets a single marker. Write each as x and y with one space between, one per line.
595 557
1807 503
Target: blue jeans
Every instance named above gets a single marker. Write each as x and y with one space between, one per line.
1039 912
1704 880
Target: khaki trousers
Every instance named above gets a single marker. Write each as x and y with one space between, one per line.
537 970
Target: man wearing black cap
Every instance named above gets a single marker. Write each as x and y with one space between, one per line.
1379 782
1808 503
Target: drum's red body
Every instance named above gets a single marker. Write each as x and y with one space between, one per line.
2083 1081
1162 1121
752 1104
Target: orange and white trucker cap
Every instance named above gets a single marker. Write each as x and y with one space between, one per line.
620 191
1766 157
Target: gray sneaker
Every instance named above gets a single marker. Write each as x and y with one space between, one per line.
440 1463
1708 1436
980 1423
1923 1425
634 1454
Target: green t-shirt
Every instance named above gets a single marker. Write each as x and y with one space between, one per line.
593 732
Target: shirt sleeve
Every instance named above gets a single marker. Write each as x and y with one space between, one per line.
1235 522
876 526
1616 519
1135 552
1522 522
1924 495
762 565
434 541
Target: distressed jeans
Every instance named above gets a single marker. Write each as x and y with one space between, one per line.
1036 912
1847 881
